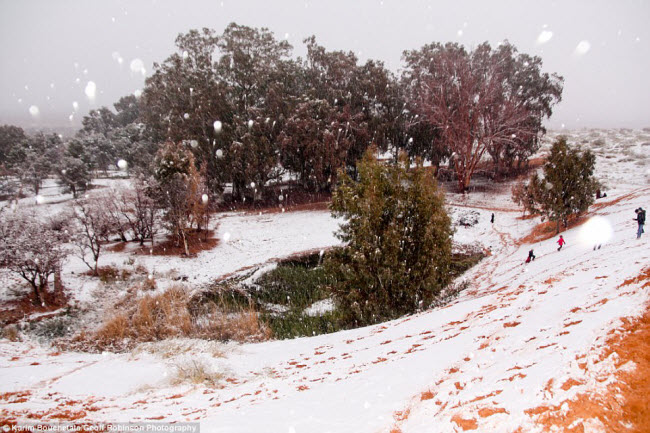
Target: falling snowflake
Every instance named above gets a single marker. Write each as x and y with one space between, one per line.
137 66
122 164
217 126
91 90
34 111
544 37
582 48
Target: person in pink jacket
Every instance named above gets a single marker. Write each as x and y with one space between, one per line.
561 242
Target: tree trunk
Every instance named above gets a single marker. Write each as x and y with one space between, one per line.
58 284
38 292
187 250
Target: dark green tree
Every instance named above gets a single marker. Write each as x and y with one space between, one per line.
397 239
12 138
314 144
42 154
73 176
567 188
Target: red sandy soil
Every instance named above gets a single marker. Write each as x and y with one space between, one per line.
625 402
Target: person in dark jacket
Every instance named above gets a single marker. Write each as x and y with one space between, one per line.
531 256
492 219
640 219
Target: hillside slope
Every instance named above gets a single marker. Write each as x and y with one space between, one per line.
522 337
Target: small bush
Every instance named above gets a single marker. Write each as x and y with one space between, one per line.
196 372
450 293
55 327
111 274
11 333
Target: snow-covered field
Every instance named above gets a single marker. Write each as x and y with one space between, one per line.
510 343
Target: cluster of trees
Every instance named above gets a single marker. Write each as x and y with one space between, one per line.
250 113
26 161
567 188
35 247
105 138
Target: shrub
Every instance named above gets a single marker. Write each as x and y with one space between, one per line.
196 372
11 333
51 328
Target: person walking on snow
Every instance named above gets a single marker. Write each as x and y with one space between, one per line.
492 219
531 256
561 242
640 219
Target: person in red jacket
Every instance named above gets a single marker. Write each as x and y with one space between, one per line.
561 242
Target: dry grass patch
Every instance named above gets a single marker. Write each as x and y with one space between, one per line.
196 372
168 315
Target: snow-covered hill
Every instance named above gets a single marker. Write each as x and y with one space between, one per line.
522 336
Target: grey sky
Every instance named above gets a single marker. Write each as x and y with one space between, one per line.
49 49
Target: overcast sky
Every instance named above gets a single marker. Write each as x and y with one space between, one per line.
50 50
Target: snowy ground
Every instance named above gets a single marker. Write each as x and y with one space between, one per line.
509 344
